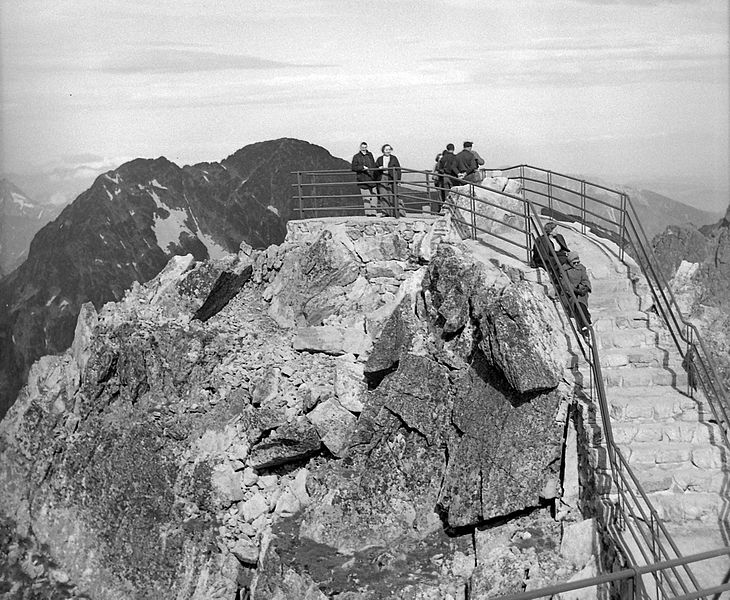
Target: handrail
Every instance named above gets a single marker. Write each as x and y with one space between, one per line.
532 228
632 231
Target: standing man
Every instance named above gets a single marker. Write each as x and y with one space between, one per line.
363 164
468 162
448 173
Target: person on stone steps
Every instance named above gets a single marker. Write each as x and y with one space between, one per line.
363 164
577 276
541 250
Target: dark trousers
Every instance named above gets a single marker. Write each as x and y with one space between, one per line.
386 197
581 314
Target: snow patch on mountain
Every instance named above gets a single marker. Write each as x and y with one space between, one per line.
215 251
21 201
168 230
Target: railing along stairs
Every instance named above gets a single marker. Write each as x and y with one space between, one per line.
629 517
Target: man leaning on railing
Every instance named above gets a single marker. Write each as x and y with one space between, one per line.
363 164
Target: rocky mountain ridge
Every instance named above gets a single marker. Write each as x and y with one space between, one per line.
696 262
20 218
125 228
376 413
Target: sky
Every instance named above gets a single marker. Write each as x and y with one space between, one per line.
620 89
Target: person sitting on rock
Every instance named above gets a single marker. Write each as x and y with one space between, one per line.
576 275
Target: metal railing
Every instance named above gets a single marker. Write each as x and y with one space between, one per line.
332 193
612 214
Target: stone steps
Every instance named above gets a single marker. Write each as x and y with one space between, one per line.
669 430
634 377
626 338
617 284
677 507
667 437
681 478
605 319
646 455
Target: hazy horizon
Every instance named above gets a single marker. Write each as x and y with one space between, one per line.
626 90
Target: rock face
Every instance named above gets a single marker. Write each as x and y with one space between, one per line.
697 264
167 456
20 219
127 226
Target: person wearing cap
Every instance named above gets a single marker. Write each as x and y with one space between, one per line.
576 275
468 162
543 244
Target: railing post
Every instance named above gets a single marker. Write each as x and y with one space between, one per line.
583 206
299 194
473 212
396 200
528 227
550 193
690 356
428 193
623 228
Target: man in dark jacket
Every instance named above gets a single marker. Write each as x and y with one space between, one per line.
363 164
467 162
448 173
541 250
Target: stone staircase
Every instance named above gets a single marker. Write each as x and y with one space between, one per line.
668 437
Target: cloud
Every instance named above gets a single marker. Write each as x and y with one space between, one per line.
189 61
638 3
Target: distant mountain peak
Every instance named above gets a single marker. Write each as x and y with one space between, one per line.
127 225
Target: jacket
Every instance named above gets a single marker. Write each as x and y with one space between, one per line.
541 249
447 164
466 162
578 278
359 162
393 170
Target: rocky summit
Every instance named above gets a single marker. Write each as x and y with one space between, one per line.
125 228
364 411
696 262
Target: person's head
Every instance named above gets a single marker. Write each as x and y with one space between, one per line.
363 147
450 147
438 156
386 149
468 145
573 258
550 227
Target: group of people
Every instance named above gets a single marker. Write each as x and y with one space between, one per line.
563 261
456 169
377 179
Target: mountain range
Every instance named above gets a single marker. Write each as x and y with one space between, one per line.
132 219
125 228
